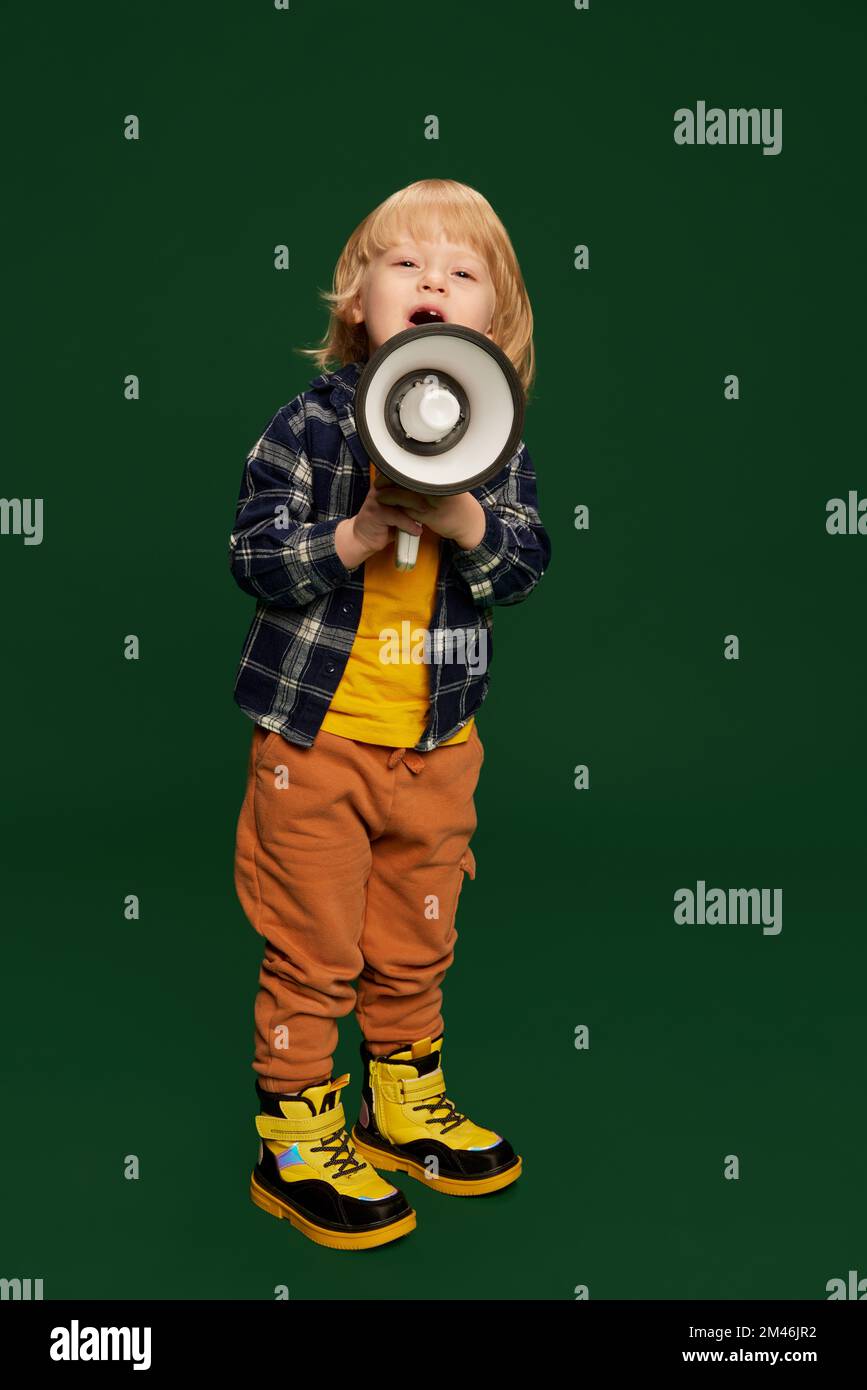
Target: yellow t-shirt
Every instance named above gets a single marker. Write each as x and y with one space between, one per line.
384 692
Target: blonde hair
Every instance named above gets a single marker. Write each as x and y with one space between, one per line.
464 216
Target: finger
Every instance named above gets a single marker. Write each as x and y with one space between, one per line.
410 501
399 495
405 522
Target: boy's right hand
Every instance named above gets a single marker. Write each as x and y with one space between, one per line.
370 530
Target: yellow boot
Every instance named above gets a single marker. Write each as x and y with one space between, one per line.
406 1124
309 1172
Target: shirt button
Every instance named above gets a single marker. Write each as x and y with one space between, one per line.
330 667
346 607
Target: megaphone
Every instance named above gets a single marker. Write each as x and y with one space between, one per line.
439 409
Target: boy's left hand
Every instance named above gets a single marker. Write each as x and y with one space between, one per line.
460 517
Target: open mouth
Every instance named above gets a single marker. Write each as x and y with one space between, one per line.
422 316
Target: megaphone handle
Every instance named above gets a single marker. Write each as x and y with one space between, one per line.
405 550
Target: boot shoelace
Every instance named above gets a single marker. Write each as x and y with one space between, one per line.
452 1118
347 1163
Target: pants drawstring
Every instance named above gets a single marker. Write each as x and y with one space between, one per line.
414 761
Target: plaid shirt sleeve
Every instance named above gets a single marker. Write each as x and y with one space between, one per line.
275 554
515 550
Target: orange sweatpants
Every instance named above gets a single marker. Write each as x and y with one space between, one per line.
349 860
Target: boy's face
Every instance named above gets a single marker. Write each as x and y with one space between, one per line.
434 274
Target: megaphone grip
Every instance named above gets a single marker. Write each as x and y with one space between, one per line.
405 550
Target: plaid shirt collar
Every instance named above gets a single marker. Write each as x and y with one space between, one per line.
339 388
341 383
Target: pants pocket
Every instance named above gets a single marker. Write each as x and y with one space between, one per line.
468 862
480 747
263 740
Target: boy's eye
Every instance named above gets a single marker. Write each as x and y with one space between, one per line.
457 272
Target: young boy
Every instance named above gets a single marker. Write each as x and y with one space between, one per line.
353 838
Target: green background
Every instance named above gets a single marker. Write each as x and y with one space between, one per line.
155 257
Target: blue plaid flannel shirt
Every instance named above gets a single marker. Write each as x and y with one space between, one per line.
306 474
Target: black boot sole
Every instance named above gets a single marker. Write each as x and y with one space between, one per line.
380 1154
335 1238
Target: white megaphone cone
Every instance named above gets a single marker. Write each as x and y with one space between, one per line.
439 409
